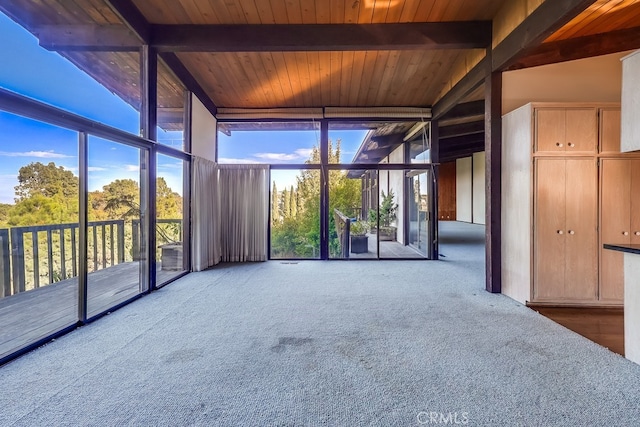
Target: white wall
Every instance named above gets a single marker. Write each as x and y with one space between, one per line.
630 130
464 189
596 79
204 132
479 188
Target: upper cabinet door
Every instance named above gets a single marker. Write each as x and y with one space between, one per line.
581 130
566 130
610 130
550 129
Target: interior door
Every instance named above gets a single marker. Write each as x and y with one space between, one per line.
550 228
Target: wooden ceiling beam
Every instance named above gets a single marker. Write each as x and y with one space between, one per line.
96 38
131 17
135 20
540 24
471 81
546 19
580 48
464 110
471 128
321 37
181 72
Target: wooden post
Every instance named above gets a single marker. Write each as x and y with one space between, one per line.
17 260
493 153
5 277
435 161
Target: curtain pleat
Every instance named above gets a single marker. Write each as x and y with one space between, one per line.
205 225
244 214
230 213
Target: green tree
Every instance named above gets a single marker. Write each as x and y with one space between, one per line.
275 213
168 202
41 210
294 202
286 204
4 213
122 199
46 180
299 234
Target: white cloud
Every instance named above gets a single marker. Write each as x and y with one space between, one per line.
300 153
304 152
39 154
277 156
229 160
96 169
131 168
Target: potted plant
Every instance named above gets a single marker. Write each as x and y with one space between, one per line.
358 236
384 215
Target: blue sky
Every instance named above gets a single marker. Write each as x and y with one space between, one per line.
48 77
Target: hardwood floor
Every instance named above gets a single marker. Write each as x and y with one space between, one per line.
604 326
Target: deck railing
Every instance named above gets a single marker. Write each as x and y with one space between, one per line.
164 235
20 249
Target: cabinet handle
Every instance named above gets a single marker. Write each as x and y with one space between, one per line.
572 232
625 233
637 233
559 144
571 144
560 232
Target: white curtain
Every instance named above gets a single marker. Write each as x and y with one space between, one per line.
244 215
230 213
205 207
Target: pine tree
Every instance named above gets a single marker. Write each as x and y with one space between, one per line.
286 209
275 212
294 202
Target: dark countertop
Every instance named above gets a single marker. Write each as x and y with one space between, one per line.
628 248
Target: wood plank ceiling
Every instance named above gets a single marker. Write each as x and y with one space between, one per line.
309 60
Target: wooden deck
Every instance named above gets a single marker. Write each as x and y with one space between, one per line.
29 316
387 250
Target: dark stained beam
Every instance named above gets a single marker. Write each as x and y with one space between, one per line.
462 141
493 181
459 154
464 87
546 19
540 24
462 130
98 38
383 141
580 47
380 153
135 20
131 17
434 250
467 109
321 37
181 72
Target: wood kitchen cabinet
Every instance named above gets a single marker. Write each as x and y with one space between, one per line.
619 220
609 130
556 186
566 130
565 232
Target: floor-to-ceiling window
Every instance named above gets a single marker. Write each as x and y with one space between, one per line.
75 200
115 237
38 230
